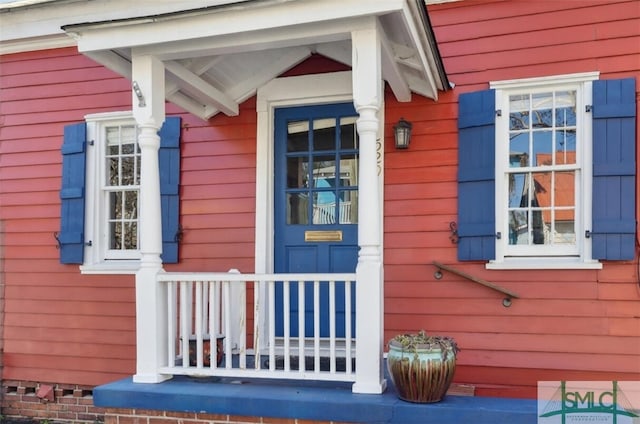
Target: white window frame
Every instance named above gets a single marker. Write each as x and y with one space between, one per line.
516 258
97 258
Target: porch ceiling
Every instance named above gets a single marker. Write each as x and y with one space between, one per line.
217 57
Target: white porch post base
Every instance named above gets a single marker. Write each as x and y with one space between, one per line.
151 337
369 359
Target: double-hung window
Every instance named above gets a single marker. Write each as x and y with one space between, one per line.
112 200
547 172
101 190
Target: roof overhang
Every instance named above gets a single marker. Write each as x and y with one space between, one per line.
217 57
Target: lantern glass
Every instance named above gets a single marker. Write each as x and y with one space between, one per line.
402 132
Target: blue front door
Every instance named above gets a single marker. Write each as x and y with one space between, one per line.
316 205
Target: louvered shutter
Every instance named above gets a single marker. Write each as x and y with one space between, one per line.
476 176
614 168
169 161
72 194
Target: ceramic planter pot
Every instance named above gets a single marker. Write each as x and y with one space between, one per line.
422 373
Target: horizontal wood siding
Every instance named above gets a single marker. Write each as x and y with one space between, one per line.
573 325
64 327
58 325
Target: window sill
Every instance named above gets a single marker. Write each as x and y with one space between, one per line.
111 267
543 263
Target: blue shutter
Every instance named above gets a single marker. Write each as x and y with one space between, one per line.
476 176
71 236
614 168
169 161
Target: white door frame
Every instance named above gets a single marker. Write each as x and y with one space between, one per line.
284 92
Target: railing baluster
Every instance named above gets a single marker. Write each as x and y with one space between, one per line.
212 325
242 342
301 327
272 325
198 323
226 296
332 326
171 322
347 326
316 326
184 323
286 306
257 328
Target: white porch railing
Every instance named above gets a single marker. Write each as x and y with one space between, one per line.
242 308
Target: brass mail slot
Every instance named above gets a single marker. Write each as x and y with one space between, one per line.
329 235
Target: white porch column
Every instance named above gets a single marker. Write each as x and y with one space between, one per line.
151 307
367 98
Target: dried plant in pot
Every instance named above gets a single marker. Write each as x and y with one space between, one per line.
421 366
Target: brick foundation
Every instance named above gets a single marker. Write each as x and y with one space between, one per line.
70 404
74 404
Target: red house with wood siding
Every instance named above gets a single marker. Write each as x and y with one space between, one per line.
173 173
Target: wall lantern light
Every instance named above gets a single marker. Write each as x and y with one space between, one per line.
402 132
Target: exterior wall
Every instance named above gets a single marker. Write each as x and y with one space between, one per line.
68 328
64 327
59 325
571 325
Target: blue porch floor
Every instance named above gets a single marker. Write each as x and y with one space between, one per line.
322 401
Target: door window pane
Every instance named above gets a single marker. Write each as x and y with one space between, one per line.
297 136
348 133
297 206
324 134
297 172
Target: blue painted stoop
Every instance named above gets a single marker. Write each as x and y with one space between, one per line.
321 401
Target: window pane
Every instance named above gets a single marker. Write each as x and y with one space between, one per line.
542 110
128 149
542 148
348 207
115 205
518 190
297 204
348 133
324 171
566 108
538 227
565 189
128 171
519 112
131 204
519 150
115 235
566 151
113 177
541 193
349 170
298 136
324 207
130 238
297 172
324 134
565 231
518 227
